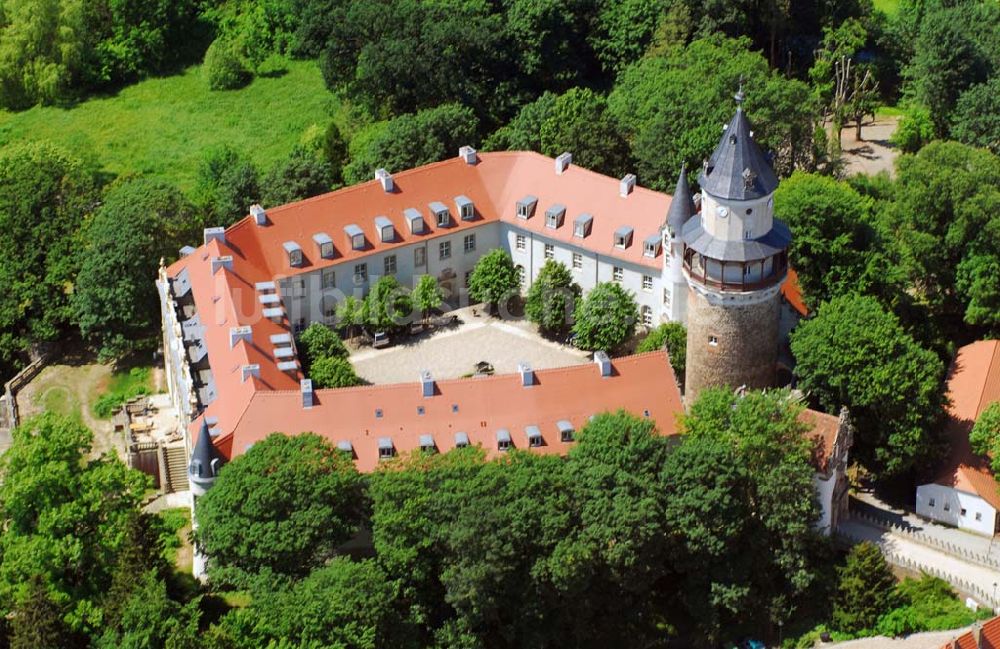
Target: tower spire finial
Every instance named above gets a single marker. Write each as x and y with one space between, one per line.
740 96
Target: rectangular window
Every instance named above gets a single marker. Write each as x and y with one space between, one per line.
469 243
444 250
666 297
930 502
577 261
713 340
386 452
550 251
647 316
748 234
299 326
443 218
326 249
295 257
617 273
520 243
647 283
580 230
468 211
619 241
947 507
468 274
329 278
390 265
360 273
963 511
979 516
298 287
552 221
419 257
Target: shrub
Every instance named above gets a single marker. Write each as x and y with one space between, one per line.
914 131
123 388
671 336
224 68
319 341
334 373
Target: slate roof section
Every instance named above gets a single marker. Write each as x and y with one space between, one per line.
772 243
682 204
738 170
200 467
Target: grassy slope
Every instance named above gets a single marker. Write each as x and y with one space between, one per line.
162 126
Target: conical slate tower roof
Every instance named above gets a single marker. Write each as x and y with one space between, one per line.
200 467
681 205
738 170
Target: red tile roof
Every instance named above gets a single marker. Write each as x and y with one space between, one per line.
792 293
823 433
641 384
973 384
494 184
989 637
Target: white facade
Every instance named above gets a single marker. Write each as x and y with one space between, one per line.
312 296
951 506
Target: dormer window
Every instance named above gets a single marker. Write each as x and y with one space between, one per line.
466 208
441 214
526 207
385 230
582 225
651 246
427 444
623 237
554 216
325 245
414 220
355 237
294 253
461 440
503 440
534 436
385 448
565 430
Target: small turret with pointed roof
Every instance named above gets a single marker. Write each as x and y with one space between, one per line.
738 170
205 462
681 205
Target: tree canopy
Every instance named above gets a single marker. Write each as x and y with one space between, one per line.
855 354
139 222
671 336
495 279
245 521
605 318
552 297
985 434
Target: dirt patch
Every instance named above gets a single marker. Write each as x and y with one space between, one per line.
68 387
873 153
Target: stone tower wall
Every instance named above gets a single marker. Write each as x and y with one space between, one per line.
747 348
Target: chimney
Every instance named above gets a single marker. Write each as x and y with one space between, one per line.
385 178
562 162
215 234
426 383
258 214
306 387
251 370
603 362
626 185
236 334
527 375
222 262
468 154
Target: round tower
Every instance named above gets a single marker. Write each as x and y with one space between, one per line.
205 462
735 260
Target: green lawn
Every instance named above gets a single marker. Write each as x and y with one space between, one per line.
162 126
888 7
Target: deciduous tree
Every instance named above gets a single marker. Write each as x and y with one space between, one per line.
985 434
495 279
605 318
671 336
427 295
552 297
283 507
301 175
333 372
855 354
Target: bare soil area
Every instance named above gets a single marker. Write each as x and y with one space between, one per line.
873 153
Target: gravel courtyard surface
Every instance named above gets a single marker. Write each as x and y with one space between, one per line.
453 353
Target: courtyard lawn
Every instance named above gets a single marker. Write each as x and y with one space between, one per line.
162 126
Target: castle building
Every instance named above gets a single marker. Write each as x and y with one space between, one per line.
735 262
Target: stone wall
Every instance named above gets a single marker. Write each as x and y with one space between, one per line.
731 345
